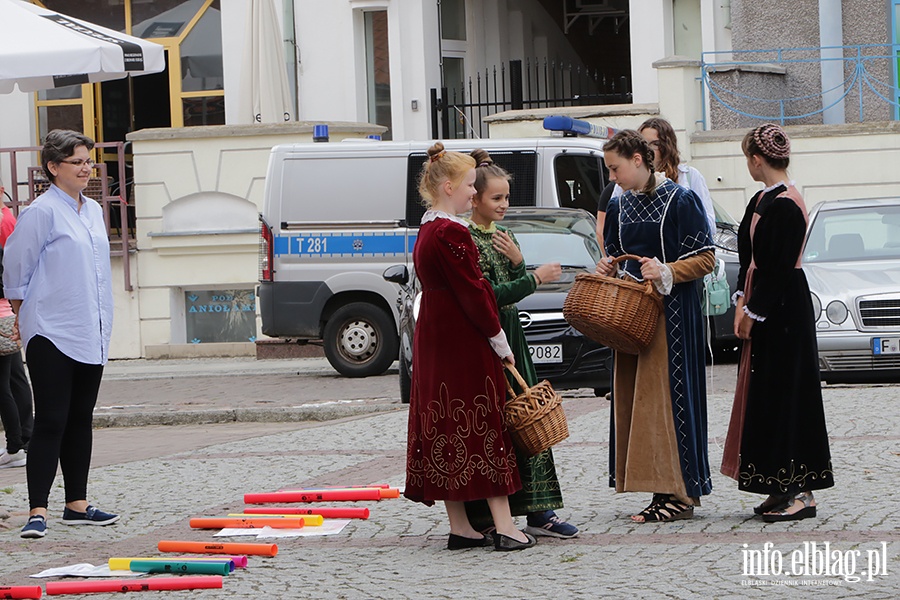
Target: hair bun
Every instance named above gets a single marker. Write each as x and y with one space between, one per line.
436 151
482 157
772 141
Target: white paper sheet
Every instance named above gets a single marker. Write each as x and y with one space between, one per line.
328 527
86 570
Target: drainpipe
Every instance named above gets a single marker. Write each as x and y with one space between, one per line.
291 54
831 33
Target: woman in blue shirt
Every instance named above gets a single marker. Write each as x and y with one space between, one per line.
57 278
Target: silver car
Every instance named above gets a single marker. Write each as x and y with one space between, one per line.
852 262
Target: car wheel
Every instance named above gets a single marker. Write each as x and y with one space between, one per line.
405 380
360 340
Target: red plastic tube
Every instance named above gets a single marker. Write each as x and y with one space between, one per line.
187 582
244 523
210 548
315 496
350 512
20 591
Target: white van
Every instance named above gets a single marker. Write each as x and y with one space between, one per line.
336 215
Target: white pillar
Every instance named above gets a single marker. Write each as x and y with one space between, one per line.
831 33
650 24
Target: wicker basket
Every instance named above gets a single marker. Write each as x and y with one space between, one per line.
615 312
535 418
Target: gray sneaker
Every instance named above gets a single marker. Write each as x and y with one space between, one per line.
8 460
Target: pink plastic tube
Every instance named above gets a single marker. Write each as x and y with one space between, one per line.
187 582
315 496
210 548
20 591
351 512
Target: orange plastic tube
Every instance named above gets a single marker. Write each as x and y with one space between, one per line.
187 582
20 591
245 523
351 512
308 520
315 496
211 548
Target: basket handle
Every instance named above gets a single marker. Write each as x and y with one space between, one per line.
517 377
648 286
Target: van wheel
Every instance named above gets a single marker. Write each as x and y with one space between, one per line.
360 340
405 380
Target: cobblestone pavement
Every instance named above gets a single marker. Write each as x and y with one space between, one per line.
159 477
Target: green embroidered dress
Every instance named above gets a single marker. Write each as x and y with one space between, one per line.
540 486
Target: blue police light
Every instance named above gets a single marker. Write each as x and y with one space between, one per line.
577 127
320 133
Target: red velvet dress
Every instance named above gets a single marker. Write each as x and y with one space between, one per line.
457 446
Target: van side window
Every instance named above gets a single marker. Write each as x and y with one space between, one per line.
522 166
579 180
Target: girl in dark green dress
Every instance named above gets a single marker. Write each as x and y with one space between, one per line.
503 266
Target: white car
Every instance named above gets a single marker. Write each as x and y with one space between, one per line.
852 261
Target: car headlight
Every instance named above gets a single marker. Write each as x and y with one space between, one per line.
836 312
817 307
417 302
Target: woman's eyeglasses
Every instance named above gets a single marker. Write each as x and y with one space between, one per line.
80 162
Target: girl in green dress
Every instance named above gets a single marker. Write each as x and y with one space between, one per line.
503 266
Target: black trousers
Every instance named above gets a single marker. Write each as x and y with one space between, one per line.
65 392
16 408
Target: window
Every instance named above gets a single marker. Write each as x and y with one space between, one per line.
453 20
378 69
579 180
854 234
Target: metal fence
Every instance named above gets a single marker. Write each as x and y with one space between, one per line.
103 187
800 85
458 111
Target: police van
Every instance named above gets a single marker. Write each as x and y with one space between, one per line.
336 215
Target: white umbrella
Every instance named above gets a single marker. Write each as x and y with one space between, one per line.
265 92
41 49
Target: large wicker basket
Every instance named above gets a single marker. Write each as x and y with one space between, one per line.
617 313
535 418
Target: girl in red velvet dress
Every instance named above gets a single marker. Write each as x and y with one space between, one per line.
458 448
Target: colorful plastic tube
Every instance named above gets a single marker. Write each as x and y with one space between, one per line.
210 548
121 564
187 567
315 520
337 487
384 492
224 566
190 582
20 591
351 512
317 496
250 523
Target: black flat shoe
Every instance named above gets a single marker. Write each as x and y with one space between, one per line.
504 542
773 504
458 542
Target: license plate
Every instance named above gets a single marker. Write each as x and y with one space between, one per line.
546 353
885 346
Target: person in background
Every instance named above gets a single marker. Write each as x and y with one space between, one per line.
57 278
16 408
660 136
605 196
661 443
777 442
458 447
503 265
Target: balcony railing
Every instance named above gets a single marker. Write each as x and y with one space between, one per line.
800 85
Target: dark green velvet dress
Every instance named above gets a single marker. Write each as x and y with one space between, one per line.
540 485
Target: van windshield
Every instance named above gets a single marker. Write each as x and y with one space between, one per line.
579 180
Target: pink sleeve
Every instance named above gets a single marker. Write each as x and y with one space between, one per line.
7 224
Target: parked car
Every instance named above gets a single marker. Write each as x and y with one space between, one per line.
852 261
561 354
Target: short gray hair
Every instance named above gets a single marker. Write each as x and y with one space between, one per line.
59 145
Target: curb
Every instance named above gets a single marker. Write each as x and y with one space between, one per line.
241 415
